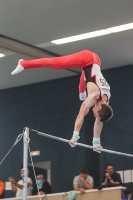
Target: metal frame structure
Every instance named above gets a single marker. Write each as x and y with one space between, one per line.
25 152
25 161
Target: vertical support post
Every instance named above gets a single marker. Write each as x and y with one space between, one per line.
25 162
49 175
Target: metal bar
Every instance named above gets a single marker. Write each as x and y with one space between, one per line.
25 162
79 144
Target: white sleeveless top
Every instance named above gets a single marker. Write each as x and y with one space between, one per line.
100 81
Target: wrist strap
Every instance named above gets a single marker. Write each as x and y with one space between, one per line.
96 141
75 135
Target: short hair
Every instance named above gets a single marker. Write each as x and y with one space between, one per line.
41 176
105 113
109 164
84 171
127 191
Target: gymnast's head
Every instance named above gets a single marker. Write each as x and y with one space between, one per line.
103 112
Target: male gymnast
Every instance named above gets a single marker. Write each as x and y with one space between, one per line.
91 80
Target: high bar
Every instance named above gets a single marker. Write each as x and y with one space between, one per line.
78 144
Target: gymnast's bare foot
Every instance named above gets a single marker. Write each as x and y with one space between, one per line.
18 69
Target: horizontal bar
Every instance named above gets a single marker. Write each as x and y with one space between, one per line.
79 144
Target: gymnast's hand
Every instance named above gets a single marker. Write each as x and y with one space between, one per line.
97 148
96 145
74 138
73 142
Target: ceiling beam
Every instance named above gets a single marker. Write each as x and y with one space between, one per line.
17 46
24 48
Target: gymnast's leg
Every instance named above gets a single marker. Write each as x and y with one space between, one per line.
76 60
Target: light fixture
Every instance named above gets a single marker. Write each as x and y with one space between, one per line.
93 34
2 55
121 28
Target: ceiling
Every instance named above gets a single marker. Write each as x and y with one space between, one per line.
37 22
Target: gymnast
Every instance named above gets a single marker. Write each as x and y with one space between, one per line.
91 80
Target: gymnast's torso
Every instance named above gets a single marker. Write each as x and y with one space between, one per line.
92 73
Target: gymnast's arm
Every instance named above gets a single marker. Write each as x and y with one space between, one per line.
98 125
84 109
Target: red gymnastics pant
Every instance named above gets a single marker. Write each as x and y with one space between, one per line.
77 60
